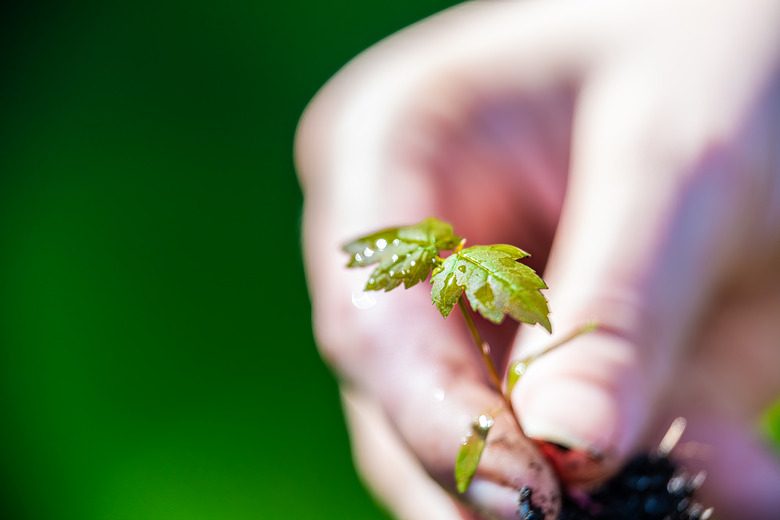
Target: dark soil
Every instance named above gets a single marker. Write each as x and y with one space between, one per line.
650 487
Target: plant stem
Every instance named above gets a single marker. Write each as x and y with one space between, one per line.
484 349
584 329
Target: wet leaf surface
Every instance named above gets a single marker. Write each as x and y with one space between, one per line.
405 255
494 282
471 452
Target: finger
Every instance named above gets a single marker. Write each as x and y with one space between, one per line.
391 470
431 386
645 237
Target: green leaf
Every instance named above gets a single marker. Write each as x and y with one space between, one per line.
404 254
515 372
471 451
494 283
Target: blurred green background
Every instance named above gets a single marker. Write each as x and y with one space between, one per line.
156 356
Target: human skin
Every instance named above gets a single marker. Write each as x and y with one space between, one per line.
633 149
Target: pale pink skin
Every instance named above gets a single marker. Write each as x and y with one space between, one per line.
633 148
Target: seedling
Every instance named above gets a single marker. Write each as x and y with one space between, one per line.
490 277
496 284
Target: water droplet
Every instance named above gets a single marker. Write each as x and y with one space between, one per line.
395 258
485 421
363 300
520 368
368 252
381 244
396 242
358 257
450 280
483 424
462 268
391 273
412 263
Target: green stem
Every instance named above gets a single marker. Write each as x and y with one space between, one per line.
484 349
588 327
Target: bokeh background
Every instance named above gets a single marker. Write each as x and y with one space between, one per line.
156 356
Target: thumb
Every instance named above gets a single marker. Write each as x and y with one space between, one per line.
648 229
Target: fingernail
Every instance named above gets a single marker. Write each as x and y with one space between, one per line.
487 496
570 413
578 426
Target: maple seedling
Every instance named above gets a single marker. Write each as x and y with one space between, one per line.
493 282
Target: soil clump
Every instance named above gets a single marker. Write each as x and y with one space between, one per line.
650 487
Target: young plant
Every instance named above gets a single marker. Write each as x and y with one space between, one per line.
491 279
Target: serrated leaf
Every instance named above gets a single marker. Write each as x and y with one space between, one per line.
494 283
405 254
471 451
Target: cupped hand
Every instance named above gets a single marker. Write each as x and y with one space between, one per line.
632 149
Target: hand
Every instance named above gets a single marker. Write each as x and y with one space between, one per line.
632 149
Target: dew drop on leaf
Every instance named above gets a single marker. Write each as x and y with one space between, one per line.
494 283
516 370
484 422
